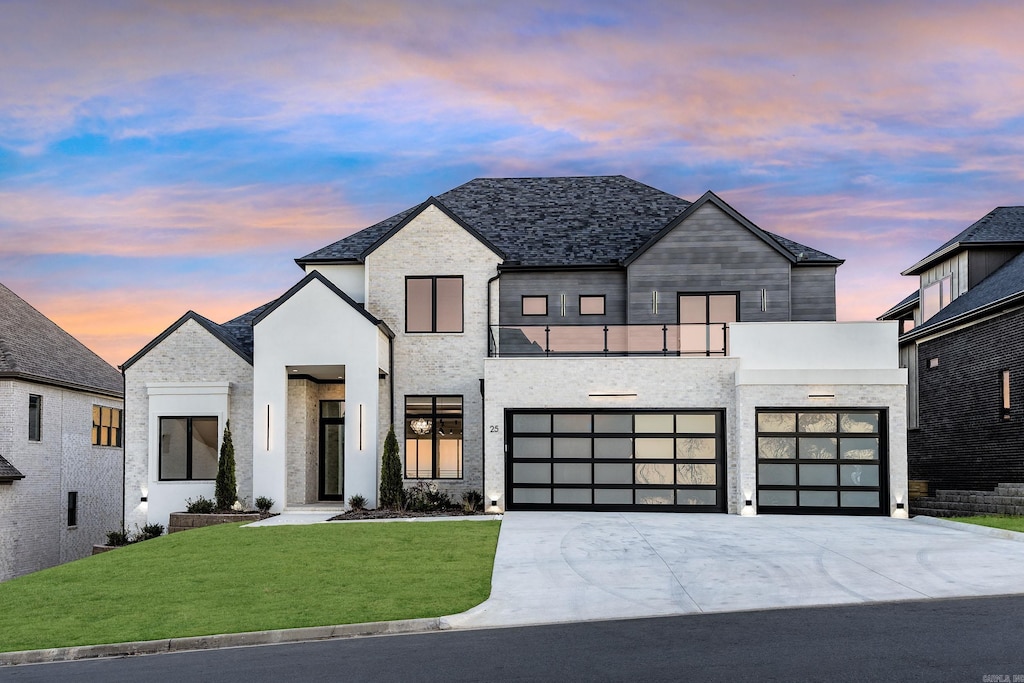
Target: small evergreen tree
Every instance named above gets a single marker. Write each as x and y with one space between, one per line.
227 488
391 491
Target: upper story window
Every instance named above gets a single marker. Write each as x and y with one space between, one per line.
704 323
106 426
936 296
188 448
535 305
592 304
433 304
35 417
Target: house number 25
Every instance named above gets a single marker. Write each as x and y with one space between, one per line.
493 429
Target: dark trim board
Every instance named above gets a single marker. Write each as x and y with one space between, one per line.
597 470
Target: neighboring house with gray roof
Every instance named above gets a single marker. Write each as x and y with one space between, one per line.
962 339
586 343
61 458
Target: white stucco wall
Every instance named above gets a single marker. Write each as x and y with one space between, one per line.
34 533
314 327
350 279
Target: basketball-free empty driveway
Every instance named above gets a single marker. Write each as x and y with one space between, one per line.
569 566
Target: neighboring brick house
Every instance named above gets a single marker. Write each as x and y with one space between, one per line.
553 343
61 461
962 338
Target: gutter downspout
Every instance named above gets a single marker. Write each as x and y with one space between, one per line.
124 447
483 420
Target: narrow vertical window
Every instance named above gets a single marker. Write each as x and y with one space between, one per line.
35 417
72 508
1006 394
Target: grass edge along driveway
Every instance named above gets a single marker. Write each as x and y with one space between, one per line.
995 521
226 579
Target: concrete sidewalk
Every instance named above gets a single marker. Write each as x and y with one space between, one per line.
565 566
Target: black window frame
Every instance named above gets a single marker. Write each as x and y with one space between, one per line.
72 508
433 304
35 417
435 417
604 304
522 305
117 431
882 462
188 445
708 323
1004 392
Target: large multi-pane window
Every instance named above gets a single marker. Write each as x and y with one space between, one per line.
188 448
704 323
936 296
433 304
106 426
433 437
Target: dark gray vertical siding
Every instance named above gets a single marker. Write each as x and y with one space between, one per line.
983 262
813 292
611 283
709 252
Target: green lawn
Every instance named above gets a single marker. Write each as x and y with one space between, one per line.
226 579
1009 523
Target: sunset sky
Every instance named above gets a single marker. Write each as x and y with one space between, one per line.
165 156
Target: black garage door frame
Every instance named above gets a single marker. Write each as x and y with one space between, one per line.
845 485
700 491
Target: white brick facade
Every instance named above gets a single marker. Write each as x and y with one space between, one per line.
189 373
437 363
34 533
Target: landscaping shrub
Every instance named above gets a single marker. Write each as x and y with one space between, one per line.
200 506
227 488
357 502
150 531
427 498
117 538
263 504
392 495
472 501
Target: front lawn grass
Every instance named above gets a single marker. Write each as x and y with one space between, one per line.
997 521
226 579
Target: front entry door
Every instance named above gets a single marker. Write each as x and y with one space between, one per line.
332 450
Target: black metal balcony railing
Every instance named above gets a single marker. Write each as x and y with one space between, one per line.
609 340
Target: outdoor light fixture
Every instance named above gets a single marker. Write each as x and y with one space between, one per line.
899 505
494 502
748 506
420 425
144 499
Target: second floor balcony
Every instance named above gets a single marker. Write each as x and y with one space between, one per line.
699 339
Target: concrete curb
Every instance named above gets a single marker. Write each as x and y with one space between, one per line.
972 528
212 642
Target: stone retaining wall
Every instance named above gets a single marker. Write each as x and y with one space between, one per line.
183 521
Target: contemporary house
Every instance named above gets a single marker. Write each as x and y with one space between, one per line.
585 343
61 460
961 339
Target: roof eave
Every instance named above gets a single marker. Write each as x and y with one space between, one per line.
965 317
63 384
953 249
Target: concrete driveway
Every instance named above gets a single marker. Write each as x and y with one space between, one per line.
569 566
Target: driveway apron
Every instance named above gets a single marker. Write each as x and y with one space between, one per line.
555 567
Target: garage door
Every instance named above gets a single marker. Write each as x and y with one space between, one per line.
822 462
615 460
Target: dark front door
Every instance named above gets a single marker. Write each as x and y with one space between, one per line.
332 450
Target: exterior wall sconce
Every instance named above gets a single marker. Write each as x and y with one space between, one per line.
748 508
900 512
144 499
899 506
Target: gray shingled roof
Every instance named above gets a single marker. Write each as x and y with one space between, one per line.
911 298
34 348
9 472
240 328
1002 225
1007 281
560 221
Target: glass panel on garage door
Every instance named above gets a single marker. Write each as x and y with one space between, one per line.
654 460
822 462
